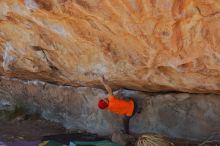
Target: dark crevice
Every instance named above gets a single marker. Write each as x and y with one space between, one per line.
209 15
84 4
38 48
54 70
45 4
108 28
28 59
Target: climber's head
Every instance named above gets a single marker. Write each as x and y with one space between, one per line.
103 104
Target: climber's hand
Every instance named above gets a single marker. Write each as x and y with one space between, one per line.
102 79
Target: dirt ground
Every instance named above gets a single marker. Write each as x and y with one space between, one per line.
18 126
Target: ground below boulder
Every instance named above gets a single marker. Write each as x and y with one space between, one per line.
19 126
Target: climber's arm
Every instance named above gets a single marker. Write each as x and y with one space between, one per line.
107 87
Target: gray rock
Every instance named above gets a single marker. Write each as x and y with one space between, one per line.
190 116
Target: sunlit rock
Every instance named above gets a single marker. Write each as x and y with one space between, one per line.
167 45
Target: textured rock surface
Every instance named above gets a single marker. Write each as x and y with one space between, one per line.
192 116
150 45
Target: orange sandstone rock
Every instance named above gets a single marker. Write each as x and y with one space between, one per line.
148 45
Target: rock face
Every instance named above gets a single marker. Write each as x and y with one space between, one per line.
149 45
182 115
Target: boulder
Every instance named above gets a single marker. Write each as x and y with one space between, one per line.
180 115
148 45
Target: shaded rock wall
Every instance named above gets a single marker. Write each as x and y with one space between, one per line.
192 116
149 45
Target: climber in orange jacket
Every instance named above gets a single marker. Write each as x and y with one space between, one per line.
125 107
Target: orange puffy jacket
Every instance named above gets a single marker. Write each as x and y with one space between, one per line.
120 106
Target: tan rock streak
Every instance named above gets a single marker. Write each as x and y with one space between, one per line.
149 45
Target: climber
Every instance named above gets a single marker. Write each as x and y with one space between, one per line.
125 107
